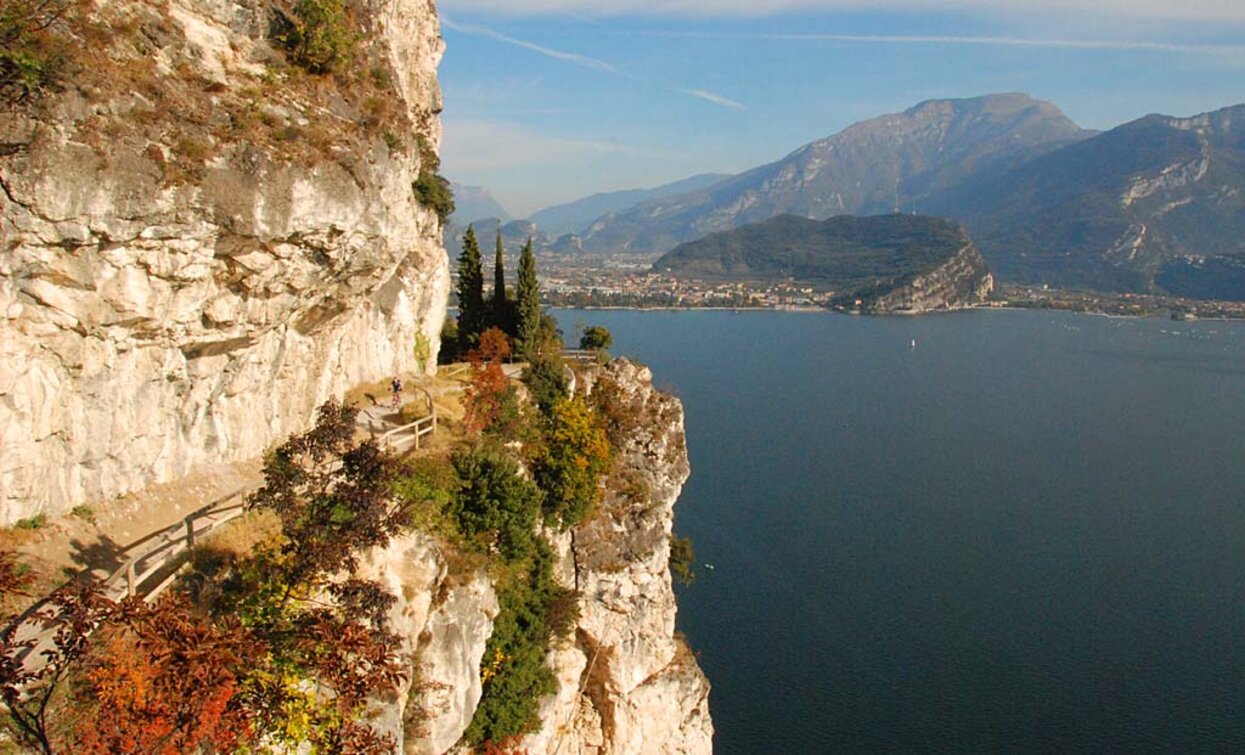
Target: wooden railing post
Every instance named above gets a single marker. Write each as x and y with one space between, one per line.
190 531
130 587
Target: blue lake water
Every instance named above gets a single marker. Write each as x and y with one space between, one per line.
1026 533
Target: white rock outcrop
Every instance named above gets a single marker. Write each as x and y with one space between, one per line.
626 683
153 321
444 622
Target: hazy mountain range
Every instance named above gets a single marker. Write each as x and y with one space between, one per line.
891 161
574 217
1155 204
472 203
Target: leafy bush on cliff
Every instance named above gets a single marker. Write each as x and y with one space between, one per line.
496 509
570 461
534 609
35 53
320 37
682 560
432 189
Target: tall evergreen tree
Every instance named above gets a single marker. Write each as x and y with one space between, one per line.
501 305
472 316
527 303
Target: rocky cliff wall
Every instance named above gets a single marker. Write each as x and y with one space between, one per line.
200 243
626 684
962 281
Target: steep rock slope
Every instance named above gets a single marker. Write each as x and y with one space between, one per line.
1158 203
625 683
962 281
200 243
864 169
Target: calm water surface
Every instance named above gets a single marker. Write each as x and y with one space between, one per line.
1025 534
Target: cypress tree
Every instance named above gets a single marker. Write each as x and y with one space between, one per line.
527 303
501 305
472 317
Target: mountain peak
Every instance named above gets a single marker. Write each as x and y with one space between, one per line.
876 166
475 203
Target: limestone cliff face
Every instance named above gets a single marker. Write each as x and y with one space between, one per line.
962 281
626 684
199 244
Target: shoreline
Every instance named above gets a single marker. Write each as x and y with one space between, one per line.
826 310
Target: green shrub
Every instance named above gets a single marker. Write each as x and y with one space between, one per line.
495 509
682 560
596 338
449 353
429 489
533 610
433 190
85 513
573 457
32 523
35 54
320 38
391 140
545 378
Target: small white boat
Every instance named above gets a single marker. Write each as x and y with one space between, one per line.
710 567
913 344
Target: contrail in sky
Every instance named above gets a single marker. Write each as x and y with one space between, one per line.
937 39
569 57
716 99
580 60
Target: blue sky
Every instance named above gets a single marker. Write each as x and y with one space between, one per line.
547 101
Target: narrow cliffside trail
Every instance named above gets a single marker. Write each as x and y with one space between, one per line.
97 539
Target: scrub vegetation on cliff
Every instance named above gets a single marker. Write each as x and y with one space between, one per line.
315 78
276 647
277 643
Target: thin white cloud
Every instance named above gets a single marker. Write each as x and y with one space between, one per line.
937 39
579 60
713 97
1191 10
569 57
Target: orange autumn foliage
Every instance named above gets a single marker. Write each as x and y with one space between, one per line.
164 683
488 386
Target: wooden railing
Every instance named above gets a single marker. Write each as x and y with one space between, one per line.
149 556
156 551
417 429
581 356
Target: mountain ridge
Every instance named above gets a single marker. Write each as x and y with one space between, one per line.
869 167
573 217
1155 204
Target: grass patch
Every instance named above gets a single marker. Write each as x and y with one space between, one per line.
32 523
